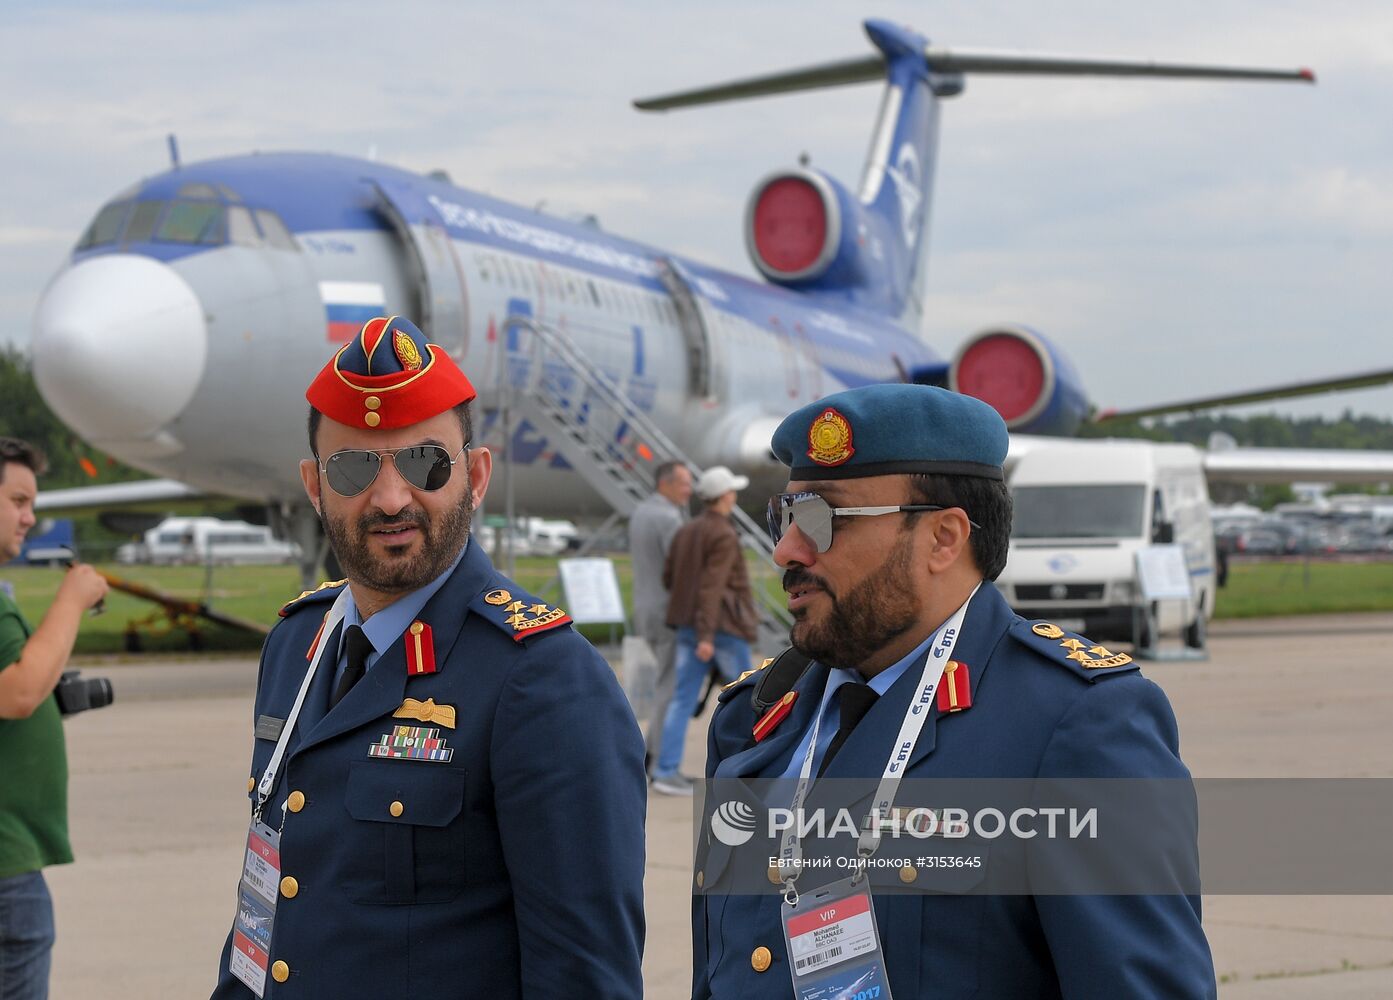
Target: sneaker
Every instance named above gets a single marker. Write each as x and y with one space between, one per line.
674 784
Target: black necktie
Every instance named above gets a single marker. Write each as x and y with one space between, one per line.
359 647
855 701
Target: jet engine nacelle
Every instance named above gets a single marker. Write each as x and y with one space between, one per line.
1024 377
801 226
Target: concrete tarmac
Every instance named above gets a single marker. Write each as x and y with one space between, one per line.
158 813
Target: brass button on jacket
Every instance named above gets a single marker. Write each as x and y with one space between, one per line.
289 887
296 801
280 972
396 809
761 959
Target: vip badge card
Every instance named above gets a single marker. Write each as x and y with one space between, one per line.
834 946
256 908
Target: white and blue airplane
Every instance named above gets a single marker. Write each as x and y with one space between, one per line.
199 302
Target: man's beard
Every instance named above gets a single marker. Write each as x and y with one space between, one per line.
863 621
399 573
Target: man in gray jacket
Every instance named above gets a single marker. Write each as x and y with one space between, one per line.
711 605
651 527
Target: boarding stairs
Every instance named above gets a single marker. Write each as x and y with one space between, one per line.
613 444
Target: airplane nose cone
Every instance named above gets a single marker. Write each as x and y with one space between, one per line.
119 347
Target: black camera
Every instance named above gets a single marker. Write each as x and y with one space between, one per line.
77 695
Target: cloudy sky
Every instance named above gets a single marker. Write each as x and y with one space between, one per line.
1176 238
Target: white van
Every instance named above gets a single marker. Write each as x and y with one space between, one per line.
198 540
1083 510
534 536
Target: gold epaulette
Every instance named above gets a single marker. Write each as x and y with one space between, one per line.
748 673
1082 656
326 585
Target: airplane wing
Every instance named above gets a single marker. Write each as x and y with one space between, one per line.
114 495
1297 465
1226 462
1338 383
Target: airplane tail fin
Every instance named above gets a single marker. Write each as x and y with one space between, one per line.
873 249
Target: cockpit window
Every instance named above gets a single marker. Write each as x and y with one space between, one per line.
193 222
241 230
274 230
201 216
142 223
106 226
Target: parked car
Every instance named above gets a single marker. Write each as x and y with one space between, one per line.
50 544
1260 541
1360 538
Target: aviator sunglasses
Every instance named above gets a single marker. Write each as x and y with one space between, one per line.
425 466
813 515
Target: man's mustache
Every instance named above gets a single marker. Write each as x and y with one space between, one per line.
799 578
401 519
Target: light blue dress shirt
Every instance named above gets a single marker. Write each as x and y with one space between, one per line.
831 721
387 625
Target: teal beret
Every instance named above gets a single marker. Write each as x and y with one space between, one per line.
882 430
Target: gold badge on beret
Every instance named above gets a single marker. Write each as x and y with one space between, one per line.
407 353
829 439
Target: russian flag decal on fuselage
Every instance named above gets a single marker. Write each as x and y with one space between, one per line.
348 305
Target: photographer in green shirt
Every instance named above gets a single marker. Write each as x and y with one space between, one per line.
34 786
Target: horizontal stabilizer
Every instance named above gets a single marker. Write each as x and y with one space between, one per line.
949 61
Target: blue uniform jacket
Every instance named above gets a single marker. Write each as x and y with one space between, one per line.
1033 714
515 869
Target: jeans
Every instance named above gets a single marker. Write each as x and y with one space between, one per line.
732 657
26 937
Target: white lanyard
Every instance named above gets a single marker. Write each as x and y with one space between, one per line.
331 622
940 652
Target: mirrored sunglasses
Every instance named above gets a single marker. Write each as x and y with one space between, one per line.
425 466
813 515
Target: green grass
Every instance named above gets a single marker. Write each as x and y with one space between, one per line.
1262 589
257 593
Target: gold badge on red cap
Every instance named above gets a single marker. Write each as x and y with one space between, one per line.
406 351
829 439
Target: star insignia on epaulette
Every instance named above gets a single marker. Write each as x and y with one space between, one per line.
1096 657
541 616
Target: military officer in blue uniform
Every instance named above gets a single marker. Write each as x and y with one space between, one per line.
447 783
896 519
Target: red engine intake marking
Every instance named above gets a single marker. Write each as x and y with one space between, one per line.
1005 371
790 225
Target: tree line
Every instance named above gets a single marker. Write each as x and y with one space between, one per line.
1263 430
24 414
